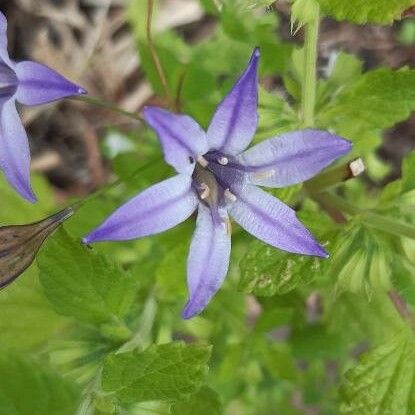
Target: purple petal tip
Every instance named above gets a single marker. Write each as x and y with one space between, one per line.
188 312
321 252
87 240
82 91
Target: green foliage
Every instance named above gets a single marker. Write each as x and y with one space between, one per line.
82 284
284 346
168 372
30 388
366 11
384 380
378 99
205 401
266 271
26 319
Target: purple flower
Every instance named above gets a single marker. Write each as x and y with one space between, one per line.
28 83
217 176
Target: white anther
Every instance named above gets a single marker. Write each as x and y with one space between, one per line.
230 196
202 161
223 160
205 191
357 167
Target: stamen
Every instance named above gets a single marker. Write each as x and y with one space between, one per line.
223 161
264 174
205 191
202 161
227 227
230 196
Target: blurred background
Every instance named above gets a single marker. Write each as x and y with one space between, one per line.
95 43
287 349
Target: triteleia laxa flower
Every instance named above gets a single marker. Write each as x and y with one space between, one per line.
28 83
219 177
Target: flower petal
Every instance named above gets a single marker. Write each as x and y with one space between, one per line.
273 222
180 136
4 54
235 121
39 84
14 150
208 260
292 157
155 210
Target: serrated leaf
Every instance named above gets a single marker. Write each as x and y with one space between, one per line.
383 383
365 11
205 401
82 284
266 271
379 99
168 372
29 388
361 260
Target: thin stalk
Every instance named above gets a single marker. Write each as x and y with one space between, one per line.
153 52
103 104
334 177
401 307
309 89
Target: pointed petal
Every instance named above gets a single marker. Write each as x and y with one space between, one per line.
4 54
155 210
293 157
39 84
235 121
14 150
181 137
208 260
273 222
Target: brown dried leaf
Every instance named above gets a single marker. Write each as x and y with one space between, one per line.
19 244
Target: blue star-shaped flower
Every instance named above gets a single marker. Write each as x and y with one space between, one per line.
218 176
28 83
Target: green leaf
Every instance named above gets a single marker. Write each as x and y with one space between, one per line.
383 383
365 11
361 260
29 388
82 284
205 401
168 372
26 319
266 271
378 99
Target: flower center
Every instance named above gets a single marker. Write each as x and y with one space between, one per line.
217 179
8 81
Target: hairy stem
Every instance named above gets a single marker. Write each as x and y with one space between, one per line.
153 52
103 104
402 307
310 70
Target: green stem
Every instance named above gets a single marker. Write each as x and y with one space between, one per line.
107 105
309 87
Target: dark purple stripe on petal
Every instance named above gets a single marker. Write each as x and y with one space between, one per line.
208 260
235 120
181 137
39 84
155 210
293 157
273 222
